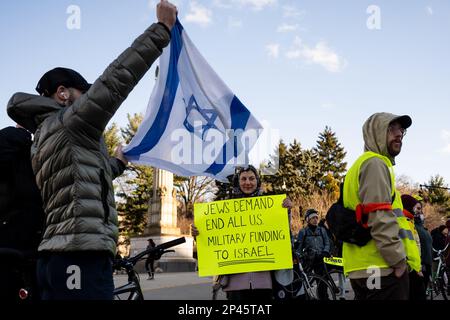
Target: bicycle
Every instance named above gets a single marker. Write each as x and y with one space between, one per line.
333 270
133 287
302 283
439 283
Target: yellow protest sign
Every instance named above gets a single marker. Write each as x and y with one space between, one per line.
242 235
334 261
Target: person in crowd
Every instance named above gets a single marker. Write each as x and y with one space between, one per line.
21 215
150 261
314 244
369 188
73 169
417 289
249 285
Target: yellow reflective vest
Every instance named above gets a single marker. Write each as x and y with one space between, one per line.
362 258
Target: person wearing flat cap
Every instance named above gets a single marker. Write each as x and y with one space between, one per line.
369 186
73 169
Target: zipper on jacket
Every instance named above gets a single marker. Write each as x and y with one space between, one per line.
104 185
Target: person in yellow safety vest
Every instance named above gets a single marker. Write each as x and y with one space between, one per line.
417 290
378 270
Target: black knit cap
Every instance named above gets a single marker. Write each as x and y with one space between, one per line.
54 78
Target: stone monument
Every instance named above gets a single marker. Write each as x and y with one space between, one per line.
162 226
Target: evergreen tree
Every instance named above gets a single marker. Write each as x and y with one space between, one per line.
437 191
298 172
331 156
223 190
135 188
276 183
112 139
133 211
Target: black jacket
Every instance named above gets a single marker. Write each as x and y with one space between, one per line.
314 242
21 213
425 243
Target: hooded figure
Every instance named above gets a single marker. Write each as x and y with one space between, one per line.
370 182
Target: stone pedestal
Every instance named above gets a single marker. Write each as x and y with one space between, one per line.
162 227
163 206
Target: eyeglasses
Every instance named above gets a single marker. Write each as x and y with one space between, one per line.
393 129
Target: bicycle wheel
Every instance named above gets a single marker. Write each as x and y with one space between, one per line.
129 291
319 289
337 280
442 285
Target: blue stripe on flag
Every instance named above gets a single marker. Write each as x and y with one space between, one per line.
159 125
239 118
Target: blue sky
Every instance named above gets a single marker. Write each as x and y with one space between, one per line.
297 65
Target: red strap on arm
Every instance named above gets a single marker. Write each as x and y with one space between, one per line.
365 209
408 214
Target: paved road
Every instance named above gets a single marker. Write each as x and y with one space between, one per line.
181 286
185 286
174 286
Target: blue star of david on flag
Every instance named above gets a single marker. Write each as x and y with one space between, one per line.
174 135
209 115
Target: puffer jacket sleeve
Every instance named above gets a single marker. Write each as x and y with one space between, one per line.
90 114
117 167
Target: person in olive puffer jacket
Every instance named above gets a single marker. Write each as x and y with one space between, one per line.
73 169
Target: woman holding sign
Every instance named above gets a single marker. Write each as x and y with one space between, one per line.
250 285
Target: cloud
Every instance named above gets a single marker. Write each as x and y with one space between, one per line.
287 27
273 50
199 14
292 12
320 54
256 4
253 4
429 11
234 23
227 4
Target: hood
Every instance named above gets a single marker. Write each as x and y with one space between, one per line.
375 131
30 110
14 141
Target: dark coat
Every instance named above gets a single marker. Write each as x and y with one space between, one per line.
21 212
426 254
314 242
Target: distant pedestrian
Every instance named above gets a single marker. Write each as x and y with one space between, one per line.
150 261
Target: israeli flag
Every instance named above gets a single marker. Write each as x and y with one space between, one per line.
194 124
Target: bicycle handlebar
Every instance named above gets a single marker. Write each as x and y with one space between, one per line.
441 251
159 248
12 254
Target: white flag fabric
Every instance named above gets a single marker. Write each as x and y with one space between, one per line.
194 124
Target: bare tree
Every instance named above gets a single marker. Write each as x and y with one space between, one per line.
191 190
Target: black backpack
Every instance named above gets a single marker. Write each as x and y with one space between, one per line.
343 224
